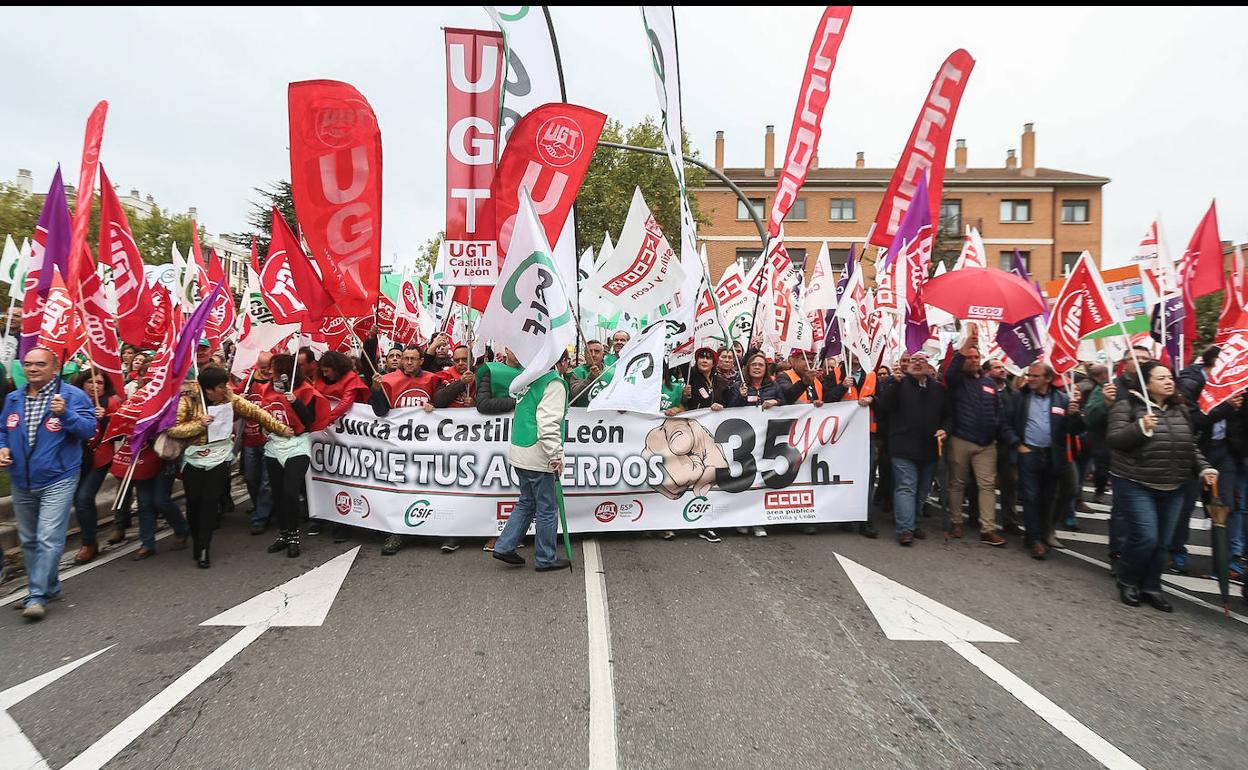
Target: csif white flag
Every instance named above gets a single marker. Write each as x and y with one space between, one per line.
530 310
638 379
10 263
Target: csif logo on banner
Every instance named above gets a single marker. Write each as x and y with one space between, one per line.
417 513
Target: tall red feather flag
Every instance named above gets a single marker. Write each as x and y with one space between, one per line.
1200 271
79 256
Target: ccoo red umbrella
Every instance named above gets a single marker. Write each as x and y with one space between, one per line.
983 294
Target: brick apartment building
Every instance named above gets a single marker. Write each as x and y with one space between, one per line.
1050 216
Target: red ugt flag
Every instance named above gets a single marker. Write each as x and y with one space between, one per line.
118 250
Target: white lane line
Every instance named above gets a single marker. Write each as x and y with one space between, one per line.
15 747
112 743
1101 750
1165 578
602 745
69 573
1101 513
1092 537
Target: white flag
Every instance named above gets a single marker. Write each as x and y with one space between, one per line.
638 379
11 263
530 310
973 254
186 278
591 290
643 272
261 337
821 291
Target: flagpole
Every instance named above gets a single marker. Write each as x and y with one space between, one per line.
1148 402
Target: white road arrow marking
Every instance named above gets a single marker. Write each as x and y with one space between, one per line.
15 747
907 615
304 601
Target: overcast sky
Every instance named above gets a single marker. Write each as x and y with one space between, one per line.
1151 97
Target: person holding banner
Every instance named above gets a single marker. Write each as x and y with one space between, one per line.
758 390
210 451
1153 455
494 383
701 391
459 387
537 457
95 463
44 428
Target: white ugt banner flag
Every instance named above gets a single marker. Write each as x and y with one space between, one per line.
643 272
530 310
638 377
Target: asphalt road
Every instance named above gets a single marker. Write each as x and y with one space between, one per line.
749 653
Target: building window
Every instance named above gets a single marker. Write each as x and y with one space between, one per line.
756 203
842 210
1016 211
1069 258
838 258
1074 211
798 258
798 212
1007 260
951 218
746 257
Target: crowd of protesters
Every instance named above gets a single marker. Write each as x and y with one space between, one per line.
969 436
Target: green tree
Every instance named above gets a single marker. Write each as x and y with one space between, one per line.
279 195
1208 308
604 198
427 257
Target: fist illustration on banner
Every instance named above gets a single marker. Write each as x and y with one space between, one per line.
690 457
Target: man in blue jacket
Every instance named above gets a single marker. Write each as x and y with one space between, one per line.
42 431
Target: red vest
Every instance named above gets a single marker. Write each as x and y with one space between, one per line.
449 376
275 403
149 463
349 383
402 391
102 451
253 436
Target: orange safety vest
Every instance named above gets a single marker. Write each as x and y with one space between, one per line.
854 392
793 378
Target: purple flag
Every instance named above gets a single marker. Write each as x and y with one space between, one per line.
1021 341
912 240
1176 314
913 221
832 327
51 247
183 355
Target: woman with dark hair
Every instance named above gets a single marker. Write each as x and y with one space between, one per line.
1153 455
299 409
343 387
701 391
98 457
206 468
671 393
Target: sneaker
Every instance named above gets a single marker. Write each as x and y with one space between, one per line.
342 533
743 530
709 536
450 545
992 539
667 534
315 527
489 544
557 564
512 558
759 531
1238 569
33 612
1177 564
391 545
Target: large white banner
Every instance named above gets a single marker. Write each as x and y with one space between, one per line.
446 473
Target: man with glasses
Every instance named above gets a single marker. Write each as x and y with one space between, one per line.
45 426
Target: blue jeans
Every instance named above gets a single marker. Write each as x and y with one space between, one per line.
912 480
155 499
42 519
1235 529
537 499
84 502
1149 518
256 475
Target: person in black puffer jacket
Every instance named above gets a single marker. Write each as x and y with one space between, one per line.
1152 457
